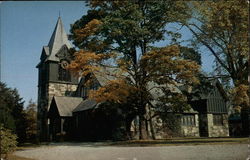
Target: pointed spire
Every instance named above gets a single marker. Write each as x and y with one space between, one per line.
57 40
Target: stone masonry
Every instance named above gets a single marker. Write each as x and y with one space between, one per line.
191 131
60 89
220 130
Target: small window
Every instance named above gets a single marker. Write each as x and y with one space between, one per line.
217 119
188 120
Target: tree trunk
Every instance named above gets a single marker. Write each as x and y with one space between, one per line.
142 128
128 127
152 128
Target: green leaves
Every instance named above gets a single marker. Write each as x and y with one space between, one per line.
11 111
130 28
223 28
129 24
8 141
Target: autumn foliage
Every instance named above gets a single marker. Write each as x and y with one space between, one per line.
121 35
223 28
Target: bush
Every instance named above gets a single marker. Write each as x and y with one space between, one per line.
8 142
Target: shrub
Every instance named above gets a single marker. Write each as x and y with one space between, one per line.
7 142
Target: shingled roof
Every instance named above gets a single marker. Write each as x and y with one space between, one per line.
106 74
86 105
57 40
66 105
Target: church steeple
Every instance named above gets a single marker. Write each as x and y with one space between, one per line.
57 40
53 78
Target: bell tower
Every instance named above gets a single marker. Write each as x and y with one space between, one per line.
53 78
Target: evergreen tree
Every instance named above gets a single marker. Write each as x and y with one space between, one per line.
11 111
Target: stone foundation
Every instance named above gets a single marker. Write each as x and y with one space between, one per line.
191 131
218 130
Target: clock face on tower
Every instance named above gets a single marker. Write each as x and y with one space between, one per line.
64 64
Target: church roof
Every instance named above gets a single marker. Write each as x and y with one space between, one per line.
105 74
66 105
86 105
57 40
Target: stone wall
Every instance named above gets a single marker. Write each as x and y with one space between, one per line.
218 130
60 89
51 89
191 131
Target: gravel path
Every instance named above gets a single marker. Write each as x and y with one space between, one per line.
95 152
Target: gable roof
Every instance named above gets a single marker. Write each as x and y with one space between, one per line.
57 40
105 74
66 105
205 91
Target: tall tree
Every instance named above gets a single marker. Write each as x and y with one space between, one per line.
223 28
31 121
11 111
125 31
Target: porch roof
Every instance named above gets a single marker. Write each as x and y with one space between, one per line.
66 105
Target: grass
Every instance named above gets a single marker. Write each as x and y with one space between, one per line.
161 142
182 141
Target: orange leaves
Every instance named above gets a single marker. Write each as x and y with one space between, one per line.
86 62
161 66
240 95
115 91
165 62
88 29
166 53
226 24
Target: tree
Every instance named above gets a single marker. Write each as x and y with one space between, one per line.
223 28
190 54
120 32
11 111
7 142
31 121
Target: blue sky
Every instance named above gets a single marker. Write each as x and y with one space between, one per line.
25 28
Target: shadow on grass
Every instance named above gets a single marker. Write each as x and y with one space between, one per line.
142 143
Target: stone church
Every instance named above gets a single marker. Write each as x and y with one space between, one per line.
65 110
